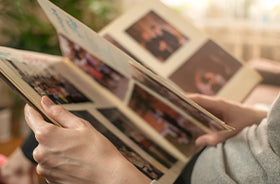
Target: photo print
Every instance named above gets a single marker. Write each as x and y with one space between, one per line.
207 71
166 121
94 67
176 100
139 162
47 82
157 36
132 132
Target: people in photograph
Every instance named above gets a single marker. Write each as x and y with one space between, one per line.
97 69
171 42
208 82
159 37
155 45
170 126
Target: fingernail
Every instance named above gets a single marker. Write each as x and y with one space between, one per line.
47 102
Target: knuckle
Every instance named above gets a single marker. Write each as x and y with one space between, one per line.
38 154
42 171
84 123
47 173
56 110
39 134
42 134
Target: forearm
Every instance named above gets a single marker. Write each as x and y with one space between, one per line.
131 175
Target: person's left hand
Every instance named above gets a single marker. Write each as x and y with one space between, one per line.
76 152
234 114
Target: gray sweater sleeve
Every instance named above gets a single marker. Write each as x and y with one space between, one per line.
274 127
252 156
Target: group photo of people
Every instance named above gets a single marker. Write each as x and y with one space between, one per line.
143 165
157 36
93 66
136 135
207 71
190 109
47 82
166 121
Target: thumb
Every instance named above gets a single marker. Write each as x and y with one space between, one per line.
34 119
212 139
209 140
59 114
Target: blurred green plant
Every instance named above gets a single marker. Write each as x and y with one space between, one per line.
25 26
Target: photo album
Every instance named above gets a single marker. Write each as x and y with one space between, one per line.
130 82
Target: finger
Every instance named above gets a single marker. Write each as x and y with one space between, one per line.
61 115
34 120
212 139
205 140
213 104
205 101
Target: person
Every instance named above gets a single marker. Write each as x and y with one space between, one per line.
172 42
156 46
209 83
77 153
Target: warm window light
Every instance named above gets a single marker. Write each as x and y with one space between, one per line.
260 10
269 4
174 2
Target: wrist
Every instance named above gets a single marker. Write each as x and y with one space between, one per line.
129 174
259 115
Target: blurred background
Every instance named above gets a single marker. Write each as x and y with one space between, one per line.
248 29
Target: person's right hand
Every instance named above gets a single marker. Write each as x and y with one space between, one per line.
18 170
233 114
76 153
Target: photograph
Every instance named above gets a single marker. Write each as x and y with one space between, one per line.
94 67
120 121
176 100
207 71
171 125
156 36
47 82
139 162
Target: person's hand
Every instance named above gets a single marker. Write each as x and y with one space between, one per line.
76 152
18 170
233 114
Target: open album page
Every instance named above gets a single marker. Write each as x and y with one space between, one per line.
130 97
36 75
142 108
169 45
